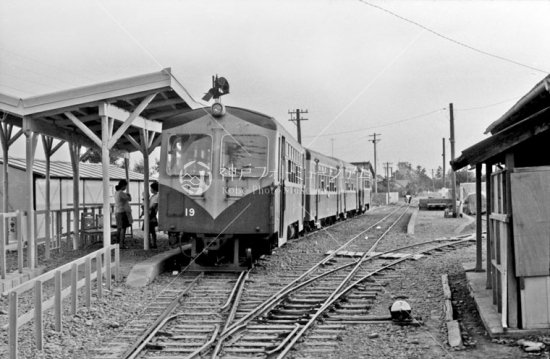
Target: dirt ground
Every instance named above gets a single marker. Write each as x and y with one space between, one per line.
422 288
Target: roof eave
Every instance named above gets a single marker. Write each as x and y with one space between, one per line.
527 102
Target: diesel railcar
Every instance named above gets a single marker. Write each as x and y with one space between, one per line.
235 184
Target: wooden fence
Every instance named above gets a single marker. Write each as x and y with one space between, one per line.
49 232
94 266
5 222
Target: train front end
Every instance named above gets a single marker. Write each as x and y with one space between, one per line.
216 184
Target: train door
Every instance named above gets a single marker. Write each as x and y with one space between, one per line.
317 186
282 177
344 182
359 191
337 189
303 179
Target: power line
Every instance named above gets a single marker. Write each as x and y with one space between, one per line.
486 106
382 125
483 52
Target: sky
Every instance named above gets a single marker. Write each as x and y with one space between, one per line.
358 67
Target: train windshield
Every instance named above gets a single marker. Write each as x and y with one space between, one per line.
191 153
244 156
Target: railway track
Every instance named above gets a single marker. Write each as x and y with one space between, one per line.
189 311
308 305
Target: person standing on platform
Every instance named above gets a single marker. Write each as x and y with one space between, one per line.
153 209
123 212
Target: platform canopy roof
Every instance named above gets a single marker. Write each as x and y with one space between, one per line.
64 170
74 115
528 118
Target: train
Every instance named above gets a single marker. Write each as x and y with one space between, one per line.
235 184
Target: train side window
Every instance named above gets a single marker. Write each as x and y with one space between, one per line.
244 156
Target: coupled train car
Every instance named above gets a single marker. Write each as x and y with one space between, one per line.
235 184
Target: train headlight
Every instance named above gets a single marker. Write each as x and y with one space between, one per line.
218 110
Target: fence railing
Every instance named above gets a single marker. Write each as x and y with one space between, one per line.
8 220
95 267
49 232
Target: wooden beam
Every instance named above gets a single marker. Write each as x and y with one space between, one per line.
58 146
156 142
479 244
489 234
131 118
133 142
15 137
47 145
5 155
75 163
504 140
510 303
44 127
121 115
83 128
105 134
31 141
164 114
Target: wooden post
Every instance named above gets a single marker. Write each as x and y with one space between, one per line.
488 235
19 236
453 173
117 262
479 244
105 136
58 301
4 134
38 325
46 144
74 288
75 163
144 137
99 279
108 267
2 247
512 291
88 286
13 326
31 140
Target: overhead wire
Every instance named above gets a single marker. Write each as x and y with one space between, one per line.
381 125
460 43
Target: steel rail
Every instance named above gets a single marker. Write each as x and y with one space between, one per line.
328 304
232 312
235 288
137 346
205 345
364 257
268 303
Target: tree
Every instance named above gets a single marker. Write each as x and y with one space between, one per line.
140 167
93 155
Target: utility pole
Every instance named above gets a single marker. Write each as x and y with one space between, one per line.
453 174
374 141
297 119
433 181
388 170
444 162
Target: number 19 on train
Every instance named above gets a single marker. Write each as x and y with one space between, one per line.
189 212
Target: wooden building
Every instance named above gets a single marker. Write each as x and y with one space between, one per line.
61 187
517 164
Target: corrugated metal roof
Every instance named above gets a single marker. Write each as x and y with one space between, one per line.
61 169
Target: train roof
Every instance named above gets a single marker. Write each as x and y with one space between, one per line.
310 154
254 117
